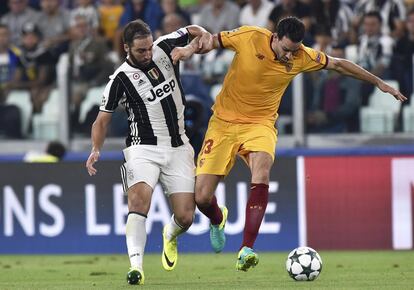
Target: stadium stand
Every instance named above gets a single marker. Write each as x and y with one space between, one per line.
21 99
380 115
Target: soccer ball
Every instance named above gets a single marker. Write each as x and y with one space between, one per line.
304 264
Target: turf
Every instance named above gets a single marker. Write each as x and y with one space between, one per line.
341 270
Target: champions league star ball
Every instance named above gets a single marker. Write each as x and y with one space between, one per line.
304 264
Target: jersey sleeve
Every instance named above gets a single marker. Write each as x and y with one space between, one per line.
112 94
233 39
177 38
313 59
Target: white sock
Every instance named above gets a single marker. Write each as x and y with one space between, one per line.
136 237
173 229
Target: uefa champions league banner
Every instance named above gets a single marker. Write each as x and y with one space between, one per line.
58 208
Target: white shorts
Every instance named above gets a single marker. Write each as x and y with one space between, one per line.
173 167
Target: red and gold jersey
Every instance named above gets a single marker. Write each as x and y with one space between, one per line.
255 82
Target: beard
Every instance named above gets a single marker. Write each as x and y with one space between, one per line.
139 64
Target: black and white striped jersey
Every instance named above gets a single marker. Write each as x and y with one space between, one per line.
153 97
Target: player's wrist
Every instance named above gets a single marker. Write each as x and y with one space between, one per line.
95 151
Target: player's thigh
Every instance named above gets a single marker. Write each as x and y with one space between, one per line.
257 138
178 174
260 164
218 154
140 174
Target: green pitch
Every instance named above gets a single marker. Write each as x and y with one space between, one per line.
341 270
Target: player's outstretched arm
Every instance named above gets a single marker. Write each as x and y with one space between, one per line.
197 45
98 134
349 68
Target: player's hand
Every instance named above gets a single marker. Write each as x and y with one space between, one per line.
181 53
386 88
93 157
205 43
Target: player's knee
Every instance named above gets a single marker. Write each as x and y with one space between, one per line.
185 220
203 199
261 176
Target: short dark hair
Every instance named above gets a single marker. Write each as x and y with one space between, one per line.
56 149
375 14
292 28
135 29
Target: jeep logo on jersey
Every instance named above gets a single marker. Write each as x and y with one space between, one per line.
161 91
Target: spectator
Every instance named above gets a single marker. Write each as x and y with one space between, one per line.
36 69
335 102
392 12
219 15
289 8
171 23
54 26
336 15
89 11
374 51
148 10
179 19
89 66
402 64
10 122
9 58
323 39
403 58
110 12
19 14
256 13
172 6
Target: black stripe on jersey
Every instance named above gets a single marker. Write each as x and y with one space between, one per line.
167 49
170 113
115 94
145 131
168 107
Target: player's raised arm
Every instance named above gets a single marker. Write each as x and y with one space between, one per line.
201 44
349 68
98 134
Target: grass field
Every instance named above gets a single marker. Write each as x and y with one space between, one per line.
341 270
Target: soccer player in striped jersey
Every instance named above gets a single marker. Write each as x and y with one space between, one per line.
147 84
244 115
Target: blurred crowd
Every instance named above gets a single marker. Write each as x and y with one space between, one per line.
34 34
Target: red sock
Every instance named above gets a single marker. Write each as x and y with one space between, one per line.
212 211
255 210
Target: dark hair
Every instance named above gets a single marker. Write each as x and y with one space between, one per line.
411 11
3 26
375 14
56 149
292 28
135 29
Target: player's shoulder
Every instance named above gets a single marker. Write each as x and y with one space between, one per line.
248 30
123 68
308 52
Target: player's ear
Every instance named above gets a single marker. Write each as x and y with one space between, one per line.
126 47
